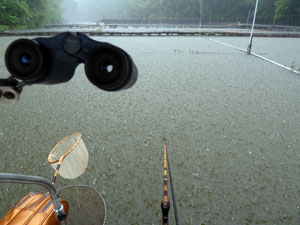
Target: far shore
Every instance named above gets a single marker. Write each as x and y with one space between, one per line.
181 32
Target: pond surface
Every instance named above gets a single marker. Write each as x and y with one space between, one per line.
232 122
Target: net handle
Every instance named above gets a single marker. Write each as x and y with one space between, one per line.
65 155
57 169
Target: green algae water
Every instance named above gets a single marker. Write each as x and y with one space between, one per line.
232 122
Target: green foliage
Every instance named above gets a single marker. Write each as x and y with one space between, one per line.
54 12
287 12
218 11
34 13
28 13
37 12
13 13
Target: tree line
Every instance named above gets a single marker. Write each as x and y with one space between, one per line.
34 13
285 12
29 13
218 11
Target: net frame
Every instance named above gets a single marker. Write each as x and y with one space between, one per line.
88 211
62 157
70 150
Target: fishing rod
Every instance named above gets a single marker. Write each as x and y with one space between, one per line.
165 204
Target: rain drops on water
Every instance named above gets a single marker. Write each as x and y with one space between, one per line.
146 143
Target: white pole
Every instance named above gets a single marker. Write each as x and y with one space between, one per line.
259 56
251 36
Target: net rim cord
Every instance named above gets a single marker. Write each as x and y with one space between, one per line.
70 150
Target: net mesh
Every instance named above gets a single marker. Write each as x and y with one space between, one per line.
73 152
86 205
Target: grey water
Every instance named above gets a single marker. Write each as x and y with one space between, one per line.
232 122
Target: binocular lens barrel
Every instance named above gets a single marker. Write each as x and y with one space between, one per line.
54 60
110 68
25 60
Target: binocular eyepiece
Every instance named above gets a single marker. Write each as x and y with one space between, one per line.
54 60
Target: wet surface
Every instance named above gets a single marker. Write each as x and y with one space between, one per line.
232 123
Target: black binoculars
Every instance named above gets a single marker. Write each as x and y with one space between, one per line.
54 60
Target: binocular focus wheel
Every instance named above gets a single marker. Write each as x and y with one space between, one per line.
54 60
109 68
25 60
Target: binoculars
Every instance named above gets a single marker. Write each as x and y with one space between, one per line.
54 60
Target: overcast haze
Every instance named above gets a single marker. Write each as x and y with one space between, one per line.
92 10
